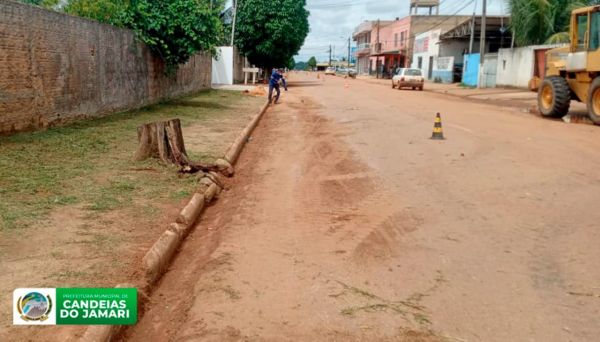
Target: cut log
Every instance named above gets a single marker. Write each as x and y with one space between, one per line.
164 140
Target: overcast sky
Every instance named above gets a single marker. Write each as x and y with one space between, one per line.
333 21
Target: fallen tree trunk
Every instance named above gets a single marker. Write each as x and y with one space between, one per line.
164 140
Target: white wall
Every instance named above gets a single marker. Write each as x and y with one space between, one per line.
222 66
433 47
516 66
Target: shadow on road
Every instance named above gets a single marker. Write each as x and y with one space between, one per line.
304 84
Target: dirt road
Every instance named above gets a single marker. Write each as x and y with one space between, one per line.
345 222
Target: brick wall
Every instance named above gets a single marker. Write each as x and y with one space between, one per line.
56 68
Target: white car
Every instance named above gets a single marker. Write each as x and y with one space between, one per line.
408 78
330 71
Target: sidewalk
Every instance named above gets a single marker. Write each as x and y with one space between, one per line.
457 90
523 99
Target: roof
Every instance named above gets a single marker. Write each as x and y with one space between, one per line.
495 26
586 9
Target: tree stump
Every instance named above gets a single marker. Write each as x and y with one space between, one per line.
164 140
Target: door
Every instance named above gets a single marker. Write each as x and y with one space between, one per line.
540 63
430 68
577 59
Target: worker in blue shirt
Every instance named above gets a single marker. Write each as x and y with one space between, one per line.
276 76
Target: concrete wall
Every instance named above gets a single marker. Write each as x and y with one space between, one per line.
222 66
516 66
56 68
239 62
443 69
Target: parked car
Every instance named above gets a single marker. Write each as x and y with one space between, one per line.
348 72
330 71
352 73
408 78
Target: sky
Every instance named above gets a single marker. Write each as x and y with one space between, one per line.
333 21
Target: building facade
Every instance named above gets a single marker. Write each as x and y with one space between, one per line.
383 46
425 50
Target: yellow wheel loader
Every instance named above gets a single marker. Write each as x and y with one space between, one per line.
573 72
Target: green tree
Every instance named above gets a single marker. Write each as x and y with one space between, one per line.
107 11
312 63
543 21
531 20
270 33
301 66
176 29
291 64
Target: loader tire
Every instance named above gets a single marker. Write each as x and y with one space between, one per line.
594 101
554 97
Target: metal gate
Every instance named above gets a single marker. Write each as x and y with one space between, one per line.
490 64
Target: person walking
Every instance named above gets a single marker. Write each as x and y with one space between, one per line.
276 76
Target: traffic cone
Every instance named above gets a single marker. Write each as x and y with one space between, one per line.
438 133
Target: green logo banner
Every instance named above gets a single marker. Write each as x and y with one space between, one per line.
106 306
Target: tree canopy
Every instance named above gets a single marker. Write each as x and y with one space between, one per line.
270 33
301 66
176 29
541 21
106 11
312 62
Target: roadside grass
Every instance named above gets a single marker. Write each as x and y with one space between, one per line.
90 163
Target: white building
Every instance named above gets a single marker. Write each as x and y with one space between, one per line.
426 49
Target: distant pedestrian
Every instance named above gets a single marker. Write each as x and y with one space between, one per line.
276 76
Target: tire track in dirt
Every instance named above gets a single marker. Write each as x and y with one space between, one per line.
299 248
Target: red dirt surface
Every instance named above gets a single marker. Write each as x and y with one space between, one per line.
346 222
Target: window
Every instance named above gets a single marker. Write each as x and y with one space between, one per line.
413 72
420 62
595 31
395 39
402 38
582 28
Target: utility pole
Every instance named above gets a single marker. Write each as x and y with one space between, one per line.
482 44
329 54
234 17
334 52
348 52
377 51
472 30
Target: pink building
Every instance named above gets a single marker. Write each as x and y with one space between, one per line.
391 49
384 45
